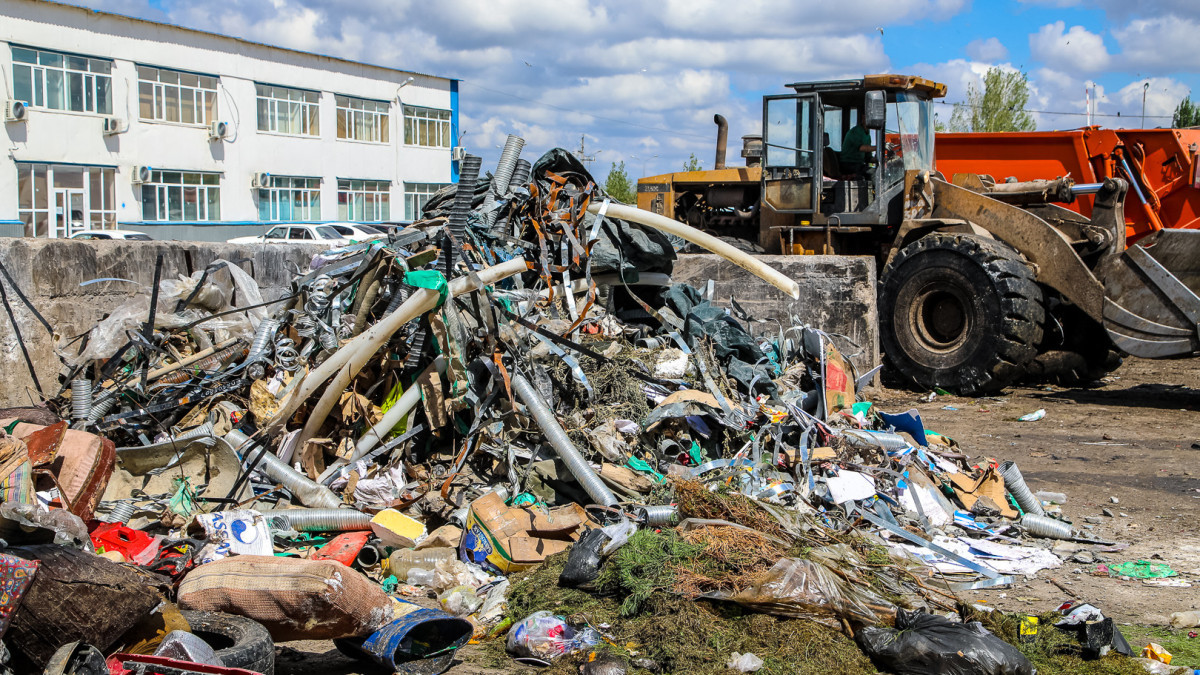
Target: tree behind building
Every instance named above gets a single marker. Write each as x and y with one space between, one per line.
1187 114
618 186
999 106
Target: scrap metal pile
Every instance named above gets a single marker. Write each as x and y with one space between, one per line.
511 378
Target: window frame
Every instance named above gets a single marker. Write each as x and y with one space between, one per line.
94 81
416 195
353 114
201 106
306 113
206 195
303 195
427 123
373 197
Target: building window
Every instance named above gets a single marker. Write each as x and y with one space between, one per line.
362 120
429 127
179 195
176 96
62 81
55 200
364 200
288 111
415 197
290 198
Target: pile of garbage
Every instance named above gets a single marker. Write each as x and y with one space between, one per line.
440 434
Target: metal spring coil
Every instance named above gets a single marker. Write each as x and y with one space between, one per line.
286 356
260 347
81 399
120 512
101 407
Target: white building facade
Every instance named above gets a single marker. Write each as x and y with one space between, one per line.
192 135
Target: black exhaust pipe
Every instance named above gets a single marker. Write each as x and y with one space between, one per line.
722 137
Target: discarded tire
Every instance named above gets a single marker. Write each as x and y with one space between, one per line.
240 642
960 312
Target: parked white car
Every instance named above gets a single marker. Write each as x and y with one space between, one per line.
128 235
358 231
297 233
331 234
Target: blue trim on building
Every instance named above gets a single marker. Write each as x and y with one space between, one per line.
453 127
264 223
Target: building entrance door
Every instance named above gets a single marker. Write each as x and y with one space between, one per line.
69 216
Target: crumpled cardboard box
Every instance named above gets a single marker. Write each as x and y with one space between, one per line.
509 539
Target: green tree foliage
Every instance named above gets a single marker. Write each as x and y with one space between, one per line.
1187 114
692 164
618 186
999 106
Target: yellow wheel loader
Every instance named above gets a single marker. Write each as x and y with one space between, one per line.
981 282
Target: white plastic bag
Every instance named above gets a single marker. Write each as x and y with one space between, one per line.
744 663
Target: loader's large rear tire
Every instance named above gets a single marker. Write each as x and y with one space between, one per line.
960 312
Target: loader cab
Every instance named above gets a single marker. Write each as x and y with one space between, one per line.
809 193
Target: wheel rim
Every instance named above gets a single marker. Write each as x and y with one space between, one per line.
941 318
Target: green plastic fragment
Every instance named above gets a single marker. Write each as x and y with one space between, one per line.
861 408
183 499
641 465
431 279
1142 569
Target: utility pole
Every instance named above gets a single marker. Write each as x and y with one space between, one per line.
1145 88
582 155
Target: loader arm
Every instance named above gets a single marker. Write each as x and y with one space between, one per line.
1058 266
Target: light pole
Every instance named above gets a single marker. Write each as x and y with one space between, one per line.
1145 88
643 158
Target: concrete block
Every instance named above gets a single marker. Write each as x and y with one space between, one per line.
49 271
837 295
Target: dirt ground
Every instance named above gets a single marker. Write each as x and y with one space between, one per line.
1136 439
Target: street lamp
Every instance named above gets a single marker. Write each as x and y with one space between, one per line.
1145 88
643 162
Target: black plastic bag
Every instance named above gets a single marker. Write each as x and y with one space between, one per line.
928 644
583 562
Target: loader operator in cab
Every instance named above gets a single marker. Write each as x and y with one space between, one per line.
856 151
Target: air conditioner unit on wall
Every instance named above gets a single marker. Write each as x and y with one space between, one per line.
218 130
261 179
458 153
114 125
141 174
15 111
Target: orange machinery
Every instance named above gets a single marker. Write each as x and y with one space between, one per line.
1161 165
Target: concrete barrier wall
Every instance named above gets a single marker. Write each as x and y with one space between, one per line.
49 272
837 295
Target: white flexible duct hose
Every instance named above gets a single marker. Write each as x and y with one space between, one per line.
704 240
358 351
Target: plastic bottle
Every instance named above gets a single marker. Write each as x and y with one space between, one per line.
1185 619
1051 497
400 562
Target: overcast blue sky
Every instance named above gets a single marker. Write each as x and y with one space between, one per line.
642 80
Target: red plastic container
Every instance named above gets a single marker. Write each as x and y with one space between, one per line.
343 548
117 537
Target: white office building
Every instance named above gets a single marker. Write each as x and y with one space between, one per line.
111 120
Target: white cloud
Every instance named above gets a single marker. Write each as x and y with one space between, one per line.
1075 50
989 50
1161 44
